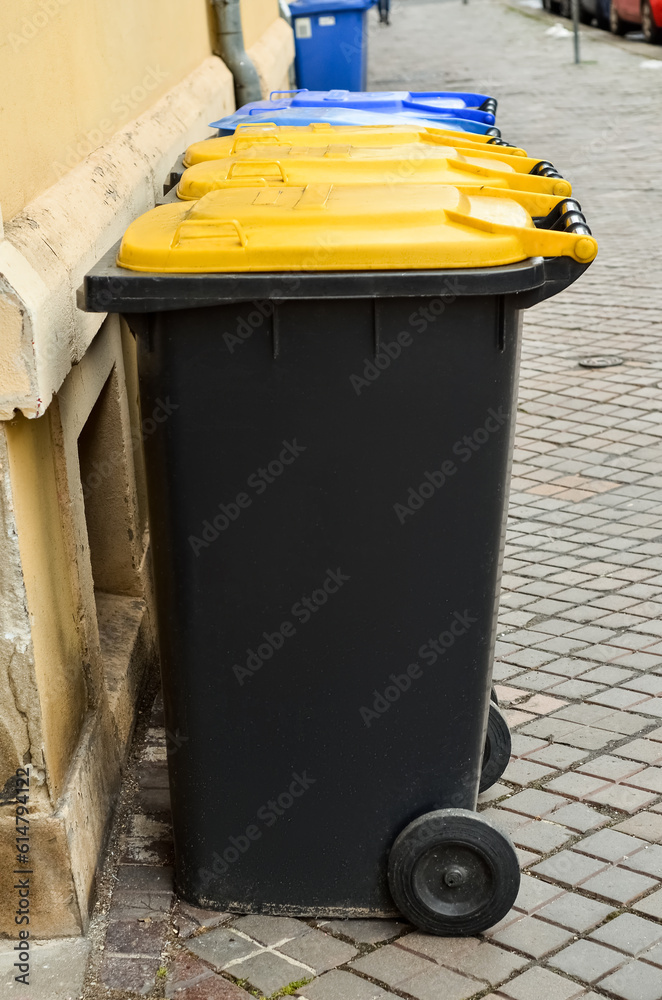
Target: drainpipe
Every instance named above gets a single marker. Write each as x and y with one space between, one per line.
231 50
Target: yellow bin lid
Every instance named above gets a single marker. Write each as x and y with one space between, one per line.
327 227
320 134
409 163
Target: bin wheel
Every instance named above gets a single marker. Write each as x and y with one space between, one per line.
494 697
498 746
452 872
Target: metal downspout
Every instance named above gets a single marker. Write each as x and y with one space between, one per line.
231 50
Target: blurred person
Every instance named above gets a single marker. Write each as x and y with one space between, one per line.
384 8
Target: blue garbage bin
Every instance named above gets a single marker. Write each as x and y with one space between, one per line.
331 43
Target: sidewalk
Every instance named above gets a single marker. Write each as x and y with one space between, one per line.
580 648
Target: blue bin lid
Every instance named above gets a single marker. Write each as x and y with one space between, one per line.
300 8
432 105
374 100
347 116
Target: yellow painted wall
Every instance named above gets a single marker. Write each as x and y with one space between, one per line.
72 72
256 16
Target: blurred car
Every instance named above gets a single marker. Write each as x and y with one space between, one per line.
627 15
589 10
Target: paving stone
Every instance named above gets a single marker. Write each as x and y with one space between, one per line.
648 861
533 937
623 797
649 779
136 937
515 718
132 904
557 755
541 704
588 737
636 981
270 930
576 689
646 825
540 984
533 802
221 946
569 868
525 857
188 919
437 982
57 969
319 951
534 893
626 723
391 964
525 772
567 666
448 951
652 707
607 674
575 785
541 836
135 974
629 933
549 729
523 745
609 845
584 715
586 961
574 912
366 931
497 791
145 878
644 750
490 964
213 988
185 970
646 683
269 971
619 885
338 985
650 905
612 768
578 816
654 956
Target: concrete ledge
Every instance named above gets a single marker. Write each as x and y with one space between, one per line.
50 245
272 56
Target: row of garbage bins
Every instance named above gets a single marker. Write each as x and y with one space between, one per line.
333 311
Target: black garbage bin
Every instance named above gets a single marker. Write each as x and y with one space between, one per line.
327 511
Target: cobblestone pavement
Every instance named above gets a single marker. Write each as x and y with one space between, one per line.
579 658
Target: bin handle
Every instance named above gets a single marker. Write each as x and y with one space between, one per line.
560 272
538 241
251 140
203 229
559 187
260 165
286 93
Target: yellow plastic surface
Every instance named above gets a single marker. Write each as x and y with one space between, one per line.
320 134
326 227
411 163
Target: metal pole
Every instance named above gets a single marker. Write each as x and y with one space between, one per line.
575 25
